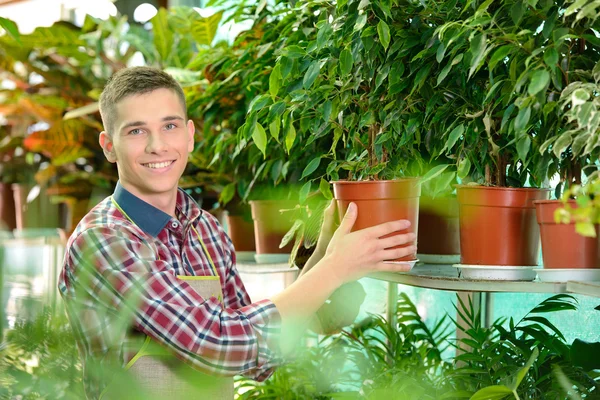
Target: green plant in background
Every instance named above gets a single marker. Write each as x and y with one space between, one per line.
504 67
39 360
518 360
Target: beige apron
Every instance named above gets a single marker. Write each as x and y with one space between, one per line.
161 374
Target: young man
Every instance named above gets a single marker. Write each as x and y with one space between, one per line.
148 262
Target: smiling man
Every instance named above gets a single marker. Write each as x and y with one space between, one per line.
149 279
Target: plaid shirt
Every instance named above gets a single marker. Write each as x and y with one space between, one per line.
118 270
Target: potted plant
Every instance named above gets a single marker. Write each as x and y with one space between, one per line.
336 94
498 76
569 236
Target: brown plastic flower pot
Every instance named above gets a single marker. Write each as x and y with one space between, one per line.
271 225
7 207
562 246
381 201
438 226
498 225
241 232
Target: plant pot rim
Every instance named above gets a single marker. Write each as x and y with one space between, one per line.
347 182
483 187
552 201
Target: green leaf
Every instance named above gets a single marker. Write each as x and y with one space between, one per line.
439 54
325 189
274 128
163 34
11 28
275 80
499 55
495 392
517 11
204 29
478 45
433 172
551 57
453 137
290 137
311 74
561 144
324 34
523 371
227 193
304 191
383 30
523 145
311 167
577 4
585 229
290 234
260 138
522 119
444 73
464 167
346 61
539 82
294 51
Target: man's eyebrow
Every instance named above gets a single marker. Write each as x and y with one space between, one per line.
142 123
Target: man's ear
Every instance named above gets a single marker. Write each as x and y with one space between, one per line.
191 130
107 146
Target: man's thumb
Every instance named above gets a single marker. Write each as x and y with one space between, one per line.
349 218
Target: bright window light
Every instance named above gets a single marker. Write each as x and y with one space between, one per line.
144 13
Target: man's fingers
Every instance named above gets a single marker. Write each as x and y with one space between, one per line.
349 219
386 228
397 240
393 254
394 267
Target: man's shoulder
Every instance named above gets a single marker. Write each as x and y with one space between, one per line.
104 218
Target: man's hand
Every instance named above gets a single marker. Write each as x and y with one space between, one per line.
353 255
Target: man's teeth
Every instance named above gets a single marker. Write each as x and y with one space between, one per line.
159 165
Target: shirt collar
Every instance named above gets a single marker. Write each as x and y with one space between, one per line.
149 218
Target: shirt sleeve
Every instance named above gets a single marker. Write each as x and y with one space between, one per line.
234 291
119 272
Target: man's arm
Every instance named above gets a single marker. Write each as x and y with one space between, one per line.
348 256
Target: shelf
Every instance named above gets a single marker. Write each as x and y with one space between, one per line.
445 277
254 268
586 288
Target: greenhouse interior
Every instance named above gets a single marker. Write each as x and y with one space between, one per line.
185 208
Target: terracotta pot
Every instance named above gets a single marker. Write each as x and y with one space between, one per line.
7 207
241 232
438 226
381 201
562 246
270 225
498 225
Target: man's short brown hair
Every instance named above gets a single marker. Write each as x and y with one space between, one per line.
134 81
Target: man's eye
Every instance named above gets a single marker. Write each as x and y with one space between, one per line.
135 131
170 126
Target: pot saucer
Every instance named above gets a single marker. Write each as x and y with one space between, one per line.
439 258
278 258
411 263
568 274
496 272
245 256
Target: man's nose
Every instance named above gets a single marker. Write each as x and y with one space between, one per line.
156 143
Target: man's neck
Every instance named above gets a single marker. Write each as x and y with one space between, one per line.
165 201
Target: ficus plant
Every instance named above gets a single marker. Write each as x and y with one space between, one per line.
502 67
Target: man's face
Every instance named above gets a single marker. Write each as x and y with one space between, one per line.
150 143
